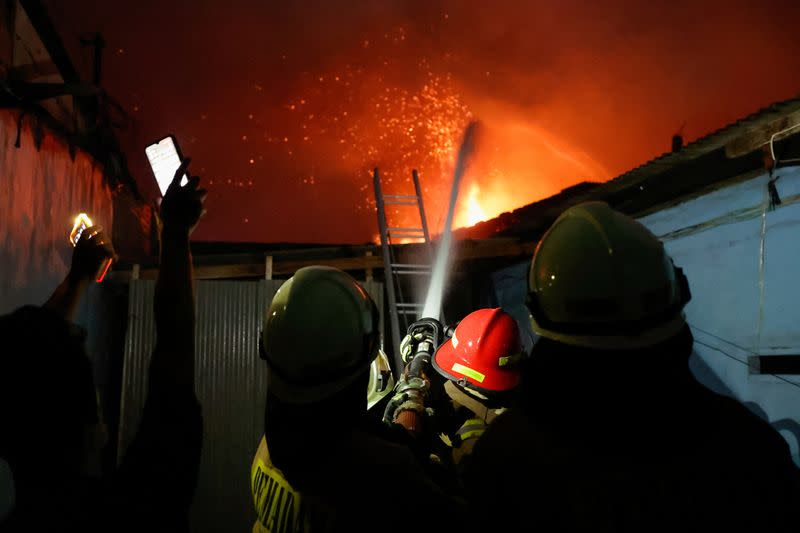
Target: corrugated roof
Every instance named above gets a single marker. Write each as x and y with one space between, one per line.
706 144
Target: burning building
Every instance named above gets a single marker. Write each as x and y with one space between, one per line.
379 101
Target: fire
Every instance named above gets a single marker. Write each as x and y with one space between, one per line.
475 212
350 120
480 203
518 163
342 122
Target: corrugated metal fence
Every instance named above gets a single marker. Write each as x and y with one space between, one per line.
230 384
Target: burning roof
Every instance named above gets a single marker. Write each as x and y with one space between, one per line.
717 156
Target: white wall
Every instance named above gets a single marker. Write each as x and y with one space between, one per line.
741 306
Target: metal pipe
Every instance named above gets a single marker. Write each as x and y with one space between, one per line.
772 139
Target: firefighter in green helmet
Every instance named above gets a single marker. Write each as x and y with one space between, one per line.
323 464
613 431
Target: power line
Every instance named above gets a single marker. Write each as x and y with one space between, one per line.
740 361
726 341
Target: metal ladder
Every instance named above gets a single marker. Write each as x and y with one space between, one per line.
400 309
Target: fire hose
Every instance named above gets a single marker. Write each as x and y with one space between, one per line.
407 406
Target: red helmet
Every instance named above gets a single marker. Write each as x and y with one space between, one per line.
482 352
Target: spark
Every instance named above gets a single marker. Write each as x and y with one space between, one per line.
408 126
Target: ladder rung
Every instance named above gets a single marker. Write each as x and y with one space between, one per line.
407 236
401 196
408 269
416 230
409 265
400 202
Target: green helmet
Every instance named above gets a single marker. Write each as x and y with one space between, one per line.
600 279
320 334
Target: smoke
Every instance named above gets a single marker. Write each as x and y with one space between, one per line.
256 92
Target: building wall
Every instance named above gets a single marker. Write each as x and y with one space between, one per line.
41 191
742 261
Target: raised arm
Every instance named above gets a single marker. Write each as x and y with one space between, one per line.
88 257
158 475
173 358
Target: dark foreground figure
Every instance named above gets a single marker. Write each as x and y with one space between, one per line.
613 433
324 464
51 434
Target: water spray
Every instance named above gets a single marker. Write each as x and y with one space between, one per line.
409 401
433 299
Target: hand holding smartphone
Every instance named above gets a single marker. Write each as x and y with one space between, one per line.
82 221
182 201
165 157
81 224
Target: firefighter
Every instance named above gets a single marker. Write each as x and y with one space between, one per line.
480 362
613 432
477 372
379 386
324 465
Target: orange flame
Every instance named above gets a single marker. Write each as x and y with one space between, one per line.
474 212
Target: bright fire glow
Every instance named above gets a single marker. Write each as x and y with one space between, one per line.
475 212
344 122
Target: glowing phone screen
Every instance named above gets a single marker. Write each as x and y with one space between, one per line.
164 160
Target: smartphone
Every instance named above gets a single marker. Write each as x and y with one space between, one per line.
82 221
165 158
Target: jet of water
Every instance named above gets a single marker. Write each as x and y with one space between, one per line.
433 300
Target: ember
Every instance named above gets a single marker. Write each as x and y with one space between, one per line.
330 92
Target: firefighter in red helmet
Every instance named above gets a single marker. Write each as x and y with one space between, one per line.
479 364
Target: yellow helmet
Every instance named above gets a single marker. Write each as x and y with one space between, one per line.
600 279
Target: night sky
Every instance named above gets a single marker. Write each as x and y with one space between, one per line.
285 107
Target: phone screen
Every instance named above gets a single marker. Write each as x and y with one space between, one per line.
164 160
82 221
